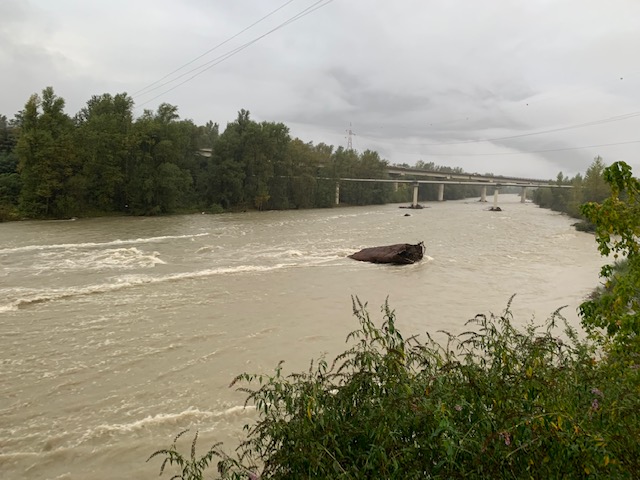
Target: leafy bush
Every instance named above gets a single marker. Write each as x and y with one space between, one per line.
8 213
216 208
494 402
617 221
190 468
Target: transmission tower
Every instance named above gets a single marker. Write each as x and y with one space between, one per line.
350 136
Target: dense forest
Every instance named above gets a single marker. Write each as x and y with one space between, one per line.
103 161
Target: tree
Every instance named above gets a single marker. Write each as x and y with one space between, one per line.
208 134
296 175
47 159
228 170
10 183
595 188
8 137
101 137
163 149
617 219
268 149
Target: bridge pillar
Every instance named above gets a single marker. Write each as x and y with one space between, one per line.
441 192
483 194
495 197
395 186
337 193
414 204
523 195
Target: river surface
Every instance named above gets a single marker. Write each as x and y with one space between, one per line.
118 333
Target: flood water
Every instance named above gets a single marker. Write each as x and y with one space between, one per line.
118 333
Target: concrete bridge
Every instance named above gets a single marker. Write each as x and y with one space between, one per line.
398 175
442 178
399 172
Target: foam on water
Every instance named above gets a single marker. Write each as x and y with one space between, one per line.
110 259
188 415
123 282
64 246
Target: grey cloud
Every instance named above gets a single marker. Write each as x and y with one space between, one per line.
404 74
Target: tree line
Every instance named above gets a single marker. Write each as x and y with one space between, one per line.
590 187
103 160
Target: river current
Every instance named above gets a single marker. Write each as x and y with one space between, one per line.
118 333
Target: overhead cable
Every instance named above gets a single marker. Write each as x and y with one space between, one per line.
616 118
206 66
140 92
527 152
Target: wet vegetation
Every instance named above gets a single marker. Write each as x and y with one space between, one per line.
498 401
591 187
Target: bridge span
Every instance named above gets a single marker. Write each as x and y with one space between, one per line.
399 172
399 175
443 178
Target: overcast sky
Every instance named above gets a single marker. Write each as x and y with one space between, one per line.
416 79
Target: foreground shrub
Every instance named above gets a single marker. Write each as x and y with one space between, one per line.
617 222
495 402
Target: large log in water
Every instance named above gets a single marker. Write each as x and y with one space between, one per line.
399 254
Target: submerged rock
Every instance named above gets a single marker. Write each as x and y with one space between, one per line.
399 254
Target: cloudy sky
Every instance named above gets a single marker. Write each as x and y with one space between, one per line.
512 87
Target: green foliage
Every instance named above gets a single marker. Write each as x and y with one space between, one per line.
617 220
101 141
596 187
494 402
47 158
591 188
7 213
190 468
216 209
10 186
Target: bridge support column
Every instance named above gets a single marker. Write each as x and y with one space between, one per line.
414 204
337 193
441 192
495 197
395 186
483 194
523 195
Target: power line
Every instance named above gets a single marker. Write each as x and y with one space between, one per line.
317 5
221 58
139 92
534 102
552 130
528 152
616 118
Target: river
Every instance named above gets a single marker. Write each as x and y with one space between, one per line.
117 333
